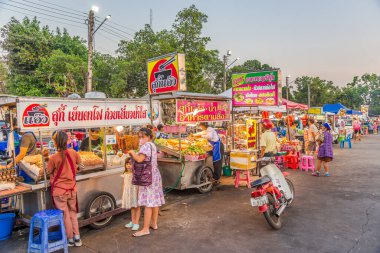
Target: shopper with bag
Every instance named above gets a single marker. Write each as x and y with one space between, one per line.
147 176
62 167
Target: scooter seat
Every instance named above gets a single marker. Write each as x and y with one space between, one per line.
261 181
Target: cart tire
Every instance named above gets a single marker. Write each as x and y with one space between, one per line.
99 203
204 175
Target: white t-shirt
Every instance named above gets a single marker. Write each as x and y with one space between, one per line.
210 134
312 129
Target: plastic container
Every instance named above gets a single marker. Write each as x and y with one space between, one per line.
7 221
227 172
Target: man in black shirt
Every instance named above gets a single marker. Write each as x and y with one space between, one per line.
95 140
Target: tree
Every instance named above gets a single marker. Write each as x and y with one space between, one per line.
3 77
321 91
31 49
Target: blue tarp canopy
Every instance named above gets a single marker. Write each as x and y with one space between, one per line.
334 108
354 112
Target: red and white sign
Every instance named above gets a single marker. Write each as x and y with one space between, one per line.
69 114
193 111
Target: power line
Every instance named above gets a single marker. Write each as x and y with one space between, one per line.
70 20
42 17
117 30
126 27
43 9
57 5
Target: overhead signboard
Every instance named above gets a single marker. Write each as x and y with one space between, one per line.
257 89
166 74
193 111
315 110
68 114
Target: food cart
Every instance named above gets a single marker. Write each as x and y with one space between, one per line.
99 185
184 163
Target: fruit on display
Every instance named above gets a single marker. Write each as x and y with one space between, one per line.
194 151
197 146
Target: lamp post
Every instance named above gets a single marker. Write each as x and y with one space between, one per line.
91 33
226 67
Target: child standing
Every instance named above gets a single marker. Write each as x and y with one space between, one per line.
129 199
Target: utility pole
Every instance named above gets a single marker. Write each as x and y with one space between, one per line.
287 111
151 19
225 73
308 95
91 21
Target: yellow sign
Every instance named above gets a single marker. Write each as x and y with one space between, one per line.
315 110
251 134
166 74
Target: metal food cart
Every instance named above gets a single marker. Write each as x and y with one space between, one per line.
99 191
176 171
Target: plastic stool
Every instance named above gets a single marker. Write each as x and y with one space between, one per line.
279 160
307 163
239 178
291 161
348 140
46 241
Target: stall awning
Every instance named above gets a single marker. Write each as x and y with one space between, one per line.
334 108
293 105
354 112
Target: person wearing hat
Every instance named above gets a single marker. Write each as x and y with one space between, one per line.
325 151
213 138
268 139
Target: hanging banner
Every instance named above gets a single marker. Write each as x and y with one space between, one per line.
251 134
257 89
166 74
68 114
193 111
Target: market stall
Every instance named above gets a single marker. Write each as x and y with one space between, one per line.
99 184
186 161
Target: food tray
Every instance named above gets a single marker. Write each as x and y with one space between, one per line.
169 151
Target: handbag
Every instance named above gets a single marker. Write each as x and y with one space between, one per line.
142 172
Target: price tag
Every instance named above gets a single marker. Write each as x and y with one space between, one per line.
110 139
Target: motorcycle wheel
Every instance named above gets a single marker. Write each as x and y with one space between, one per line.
270 214
291 186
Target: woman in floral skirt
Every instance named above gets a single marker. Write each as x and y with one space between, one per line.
151 197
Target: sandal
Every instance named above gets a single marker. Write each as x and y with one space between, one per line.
140 234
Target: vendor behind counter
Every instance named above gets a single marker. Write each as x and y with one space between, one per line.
213 138
94 134
28 144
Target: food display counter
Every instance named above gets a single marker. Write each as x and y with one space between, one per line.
99 182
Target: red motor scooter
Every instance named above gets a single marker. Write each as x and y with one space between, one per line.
273 192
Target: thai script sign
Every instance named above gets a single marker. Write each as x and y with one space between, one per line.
166 74
68 114
315 110
257 89
192 111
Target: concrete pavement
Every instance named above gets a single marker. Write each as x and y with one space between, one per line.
336 214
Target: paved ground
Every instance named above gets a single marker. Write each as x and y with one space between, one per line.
336 214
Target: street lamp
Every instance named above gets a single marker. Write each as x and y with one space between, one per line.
225 61
91 33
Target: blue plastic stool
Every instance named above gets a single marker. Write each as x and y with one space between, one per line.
46 241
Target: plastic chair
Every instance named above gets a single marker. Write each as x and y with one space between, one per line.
47 241
291 161
307 163
239 178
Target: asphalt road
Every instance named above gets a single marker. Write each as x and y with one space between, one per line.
336 214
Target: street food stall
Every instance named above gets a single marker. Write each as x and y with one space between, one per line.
251 90
186 161
99 184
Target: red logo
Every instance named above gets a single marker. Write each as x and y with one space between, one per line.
35 115
164 76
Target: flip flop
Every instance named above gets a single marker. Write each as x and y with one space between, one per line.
139 234
154 228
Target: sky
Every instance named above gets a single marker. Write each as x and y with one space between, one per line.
333 39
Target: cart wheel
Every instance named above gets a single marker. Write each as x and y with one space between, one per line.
100 203
204 175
